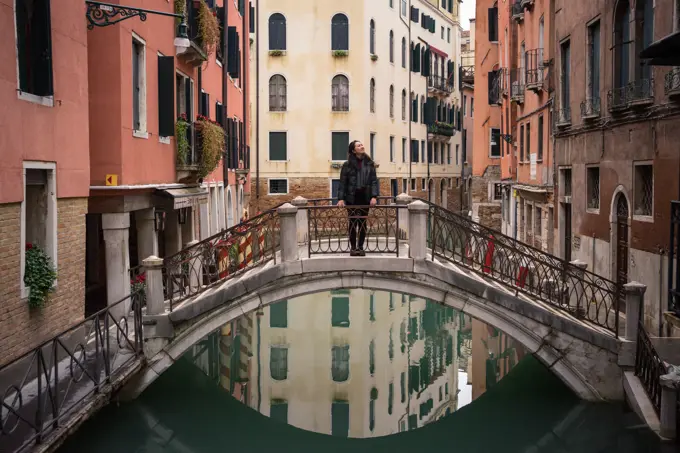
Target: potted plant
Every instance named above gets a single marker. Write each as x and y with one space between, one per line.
208 26
340 53
181 139
374 57
39 275
276 53
212 144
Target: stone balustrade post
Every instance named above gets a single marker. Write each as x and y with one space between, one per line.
301 219
670 384
635 298
402 214
417 227
577 301
153 266
195 270
288 221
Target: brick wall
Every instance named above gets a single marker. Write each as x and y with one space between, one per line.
21 329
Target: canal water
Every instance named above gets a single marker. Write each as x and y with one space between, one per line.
359 371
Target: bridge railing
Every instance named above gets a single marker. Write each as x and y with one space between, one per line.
649 367
43 388
523 268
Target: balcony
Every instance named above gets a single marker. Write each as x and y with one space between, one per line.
188 152
438 84
638 94
535 75
590 109
672 83
468 74
528 4
195 54
496 87
517 85
563 117
440 131
517 11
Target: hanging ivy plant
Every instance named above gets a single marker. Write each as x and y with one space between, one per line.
181 130
212 144
208 27
39 275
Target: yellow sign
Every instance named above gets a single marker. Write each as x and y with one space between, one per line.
111 180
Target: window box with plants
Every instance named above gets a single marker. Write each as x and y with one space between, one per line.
39 276
204 30
340 53
199 147
441 128
277 53
374 57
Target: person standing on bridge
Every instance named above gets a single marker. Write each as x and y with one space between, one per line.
358 187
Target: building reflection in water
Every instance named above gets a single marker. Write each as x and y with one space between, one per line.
356 363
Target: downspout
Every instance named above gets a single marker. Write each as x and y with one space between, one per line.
225 91
245 87
661 253
257 103
408 95
593 261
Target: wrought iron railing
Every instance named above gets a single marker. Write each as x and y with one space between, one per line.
517 84
329 227
672 81
637 91
522 268
440 83
57 379
440 128
590 108
563 116
468 74
674 260
221 257
649 367
535 70
517 10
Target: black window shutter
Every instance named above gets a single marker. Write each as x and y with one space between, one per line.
251 16
492 93
460 77
204 105
232 52
40 57
189 96
493 24
427 63
166 96
218 113
416 58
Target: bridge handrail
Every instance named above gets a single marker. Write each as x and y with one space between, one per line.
43 387
649 367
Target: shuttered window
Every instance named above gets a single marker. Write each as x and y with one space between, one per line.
278 410
278 363
339 145
493 24
495 145
340 93
204 107
34 46
340 312
277 32
166 96
278 95
278 314
278 146
233 53
372 37
340 419
339 32
340 363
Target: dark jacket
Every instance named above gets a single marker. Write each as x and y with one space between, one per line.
349 178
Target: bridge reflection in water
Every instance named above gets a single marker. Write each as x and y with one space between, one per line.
359 364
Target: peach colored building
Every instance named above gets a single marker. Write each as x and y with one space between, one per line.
44 172
467 79
158 179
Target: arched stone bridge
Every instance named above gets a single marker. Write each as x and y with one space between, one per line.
563 315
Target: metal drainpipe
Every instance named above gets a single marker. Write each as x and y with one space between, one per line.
410 110
661 253
257 103
225 91
244 86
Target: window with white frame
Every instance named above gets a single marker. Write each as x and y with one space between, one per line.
138 84
392 148
38 213
593 187
34 50
643 184
278 186
230 208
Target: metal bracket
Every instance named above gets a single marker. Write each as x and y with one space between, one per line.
507 138
101 14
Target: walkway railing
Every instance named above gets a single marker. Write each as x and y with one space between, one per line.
649 367
523 268
43 388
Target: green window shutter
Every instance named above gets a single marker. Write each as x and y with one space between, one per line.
340 312
340 419
340 363
371 357
278 363
371 308
278 314
278 146
390 397
402 384
278 410
340 145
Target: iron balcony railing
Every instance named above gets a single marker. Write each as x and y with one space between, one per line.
674 260
672 82
563 116
517 84
440 128
440 83
634 92
649 367
468 74
192 157
517 10
535 69
590 108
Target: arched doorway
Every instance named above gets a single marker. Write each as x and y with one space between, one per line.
431 194
442 193
620 217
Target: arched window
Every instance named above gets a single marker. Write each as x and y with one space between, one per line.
277 32
339 32
403 105
391 46
403 52
621 46
372 95
277 93
372 37
391 101
340 93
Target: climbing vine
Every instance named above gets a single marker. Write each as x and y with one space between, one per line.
39 275
208 27
181 130
212 144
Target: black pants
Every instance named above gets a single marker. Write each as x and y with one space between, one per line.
357 220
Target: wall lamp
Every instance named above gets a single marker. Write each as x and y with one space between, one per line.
159 220
182 215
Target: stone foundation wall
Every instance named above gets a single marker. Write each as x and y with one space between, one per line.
22 329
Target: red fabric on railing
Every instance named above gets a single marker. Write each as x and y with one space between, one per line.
522 276
488 258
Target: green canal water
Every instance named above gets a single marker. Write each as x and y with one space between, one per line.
359 371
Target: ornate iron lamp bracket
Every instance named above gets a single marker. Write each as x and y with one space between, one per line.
507 138
101 14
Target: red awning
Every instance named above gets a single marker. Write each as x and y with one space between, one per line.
439 52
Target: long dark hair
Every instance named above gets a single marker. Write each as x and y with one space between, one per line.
352 145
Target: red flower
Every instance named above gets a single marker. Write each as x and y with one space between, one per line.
29 246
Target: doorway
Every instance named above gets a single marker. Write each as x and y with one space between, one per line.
621 244
442 193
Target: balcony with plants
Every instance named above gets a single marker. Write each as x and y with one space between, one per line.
440 130
203 29
517 11
199 148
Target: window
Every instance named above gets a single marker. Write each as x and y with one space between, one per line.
566 182
138 85
448 154
278 186
371 89
593 62
340 419
403 152
39 213
391 148
391 46
402 384
372 37
372 145
278 363
404 185
423 184
448 34
34 47
403 7
335 185
464 105
390 397
540 138
472 107
340 93
185 97
277 32
278 313
644 35
413 184
565 76
457 150
277 93
340 311
204 104
403 105
497 191
391 101
441 151
528 154
339 32
621 44
371 357
278 410
521 143
166 96
278 146
493 24
593 187
403 52
339 145
643 198
371 408
494 142
442 32
340 363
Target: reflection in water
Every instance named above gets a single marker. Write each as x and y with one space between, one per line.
359 365
356 363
